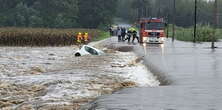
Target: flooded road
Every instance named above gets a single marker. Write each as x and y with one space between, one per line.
52 78
191 77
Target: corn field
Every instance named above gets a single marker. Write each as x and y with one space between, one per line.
42 36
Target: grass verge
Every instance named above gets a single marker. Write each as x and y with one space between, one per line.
205 33
101 36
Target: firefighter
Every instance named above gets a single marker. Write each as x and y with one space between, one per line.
119 34
79 37
86 37
134 33
129 34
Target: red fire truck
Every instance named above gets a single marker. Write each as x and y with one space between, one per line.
152 30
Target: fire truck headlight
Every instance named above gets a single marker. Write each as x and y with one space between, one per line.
145 39
162 46
162 39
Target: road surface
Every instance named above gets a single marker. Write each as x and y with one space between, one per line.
193 76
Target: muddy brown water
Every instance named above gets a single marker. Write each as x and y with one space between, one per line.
191 80
52 78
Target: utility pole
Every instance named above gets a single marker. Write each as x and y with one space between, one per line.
144 8
216 20
174 21
167 24
141 9
168 17
195 22
159 11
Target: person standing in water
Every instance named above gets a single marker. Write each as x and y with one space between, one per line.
123 34
119 34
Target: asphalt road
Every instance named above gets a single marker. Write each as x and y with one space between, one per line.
190 75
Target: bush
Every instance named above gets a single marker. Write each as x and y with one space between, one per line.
205 33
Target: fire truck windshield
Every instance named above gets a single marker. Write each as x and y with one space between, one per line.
154 26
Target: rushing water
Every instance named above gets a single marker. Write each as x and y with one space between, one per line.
193 70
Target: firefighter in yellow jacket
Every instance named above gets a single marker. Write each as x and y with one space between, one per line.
86 37
79 37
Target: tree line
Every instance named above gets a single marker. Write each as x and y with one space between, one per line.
57 13
100 13
184 13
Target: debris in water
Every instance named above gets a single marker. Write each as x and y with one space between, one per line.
37 70
118 65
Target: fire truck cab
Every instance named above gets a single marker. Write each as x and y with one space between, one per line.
152 30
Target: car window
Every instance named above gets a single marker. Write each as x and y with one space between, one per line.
91 50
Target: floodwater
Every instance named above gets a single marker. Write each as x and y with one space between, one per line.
190 75
52 78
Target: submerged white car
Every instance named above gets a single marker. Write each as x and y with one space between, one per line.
88 50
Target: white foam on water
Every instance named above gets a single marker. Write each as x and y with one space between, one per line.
135 71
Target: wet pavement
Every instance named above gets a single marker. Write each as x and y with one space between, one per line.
190 75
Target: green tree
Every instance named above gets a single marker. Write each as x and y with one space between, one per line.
95 13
